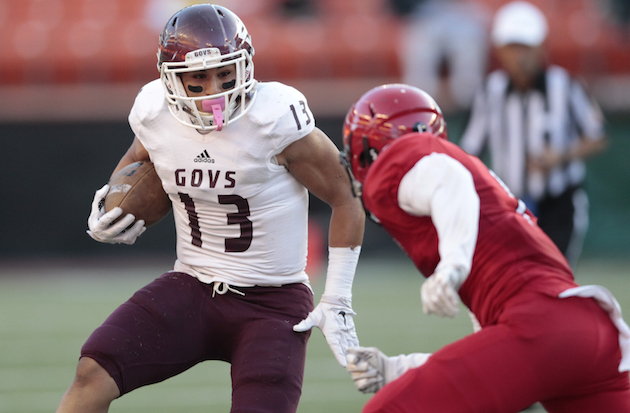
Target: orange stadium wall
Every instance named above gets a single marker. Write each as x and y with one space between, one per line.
78 41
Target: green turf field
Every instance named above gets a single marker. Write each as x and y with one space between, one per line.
47 310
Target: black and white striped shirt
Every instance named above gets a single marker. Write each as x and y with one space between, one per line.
556 112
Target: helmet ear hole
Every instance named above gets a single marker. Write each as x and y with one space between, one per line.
364 159
368 154
419 127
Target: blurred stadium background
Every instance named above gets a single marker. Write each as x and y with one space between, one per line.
69 71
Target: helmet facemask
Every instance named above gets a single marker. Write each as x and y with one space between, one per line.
217 109
198 38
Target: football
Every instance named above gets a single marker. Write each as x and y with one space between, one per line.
137 189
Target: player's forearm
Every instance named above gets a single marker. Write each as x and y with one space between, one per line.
347 224
399 365
586 149
345 237
135 153
442 188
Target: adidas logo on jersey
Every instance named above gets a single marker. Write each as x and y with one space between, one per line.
204 157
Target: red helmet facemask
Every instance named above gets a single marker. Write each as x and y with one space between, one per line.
381 115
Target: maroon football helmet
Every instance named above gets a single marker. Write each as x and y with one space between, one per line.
382 115
200 37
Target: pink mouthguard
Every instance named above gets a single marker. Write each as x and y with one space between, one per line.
215 106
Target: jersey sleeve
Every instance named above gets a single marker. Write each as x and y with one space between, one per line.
587 112
146 109
286 112
475 134
135 119
442 188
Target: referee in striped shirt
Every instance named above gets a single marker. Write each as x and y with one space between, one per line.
538 125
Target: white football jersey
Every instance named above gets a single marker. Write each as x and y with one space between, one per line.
240 218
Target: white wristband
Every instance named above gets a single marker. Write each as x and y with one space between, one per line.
342 263
400 364
456 274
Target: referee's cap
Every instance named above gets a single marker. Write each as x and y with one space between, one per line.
519 22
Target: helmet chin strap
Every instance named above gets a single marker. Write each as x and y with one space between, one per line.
216 106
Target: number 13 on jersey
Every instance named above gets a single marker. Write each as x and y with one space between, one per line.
239 244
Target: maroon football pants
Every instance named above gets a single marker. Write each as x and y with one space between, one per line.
175 322
562 352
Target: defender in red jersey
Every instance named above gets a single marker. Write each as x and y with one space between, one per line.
539 337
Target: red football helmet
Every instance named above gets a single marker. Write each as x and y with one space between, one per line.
382 115
200 37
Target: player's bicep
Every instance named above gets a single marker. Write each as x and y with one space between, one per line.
434 184
314 161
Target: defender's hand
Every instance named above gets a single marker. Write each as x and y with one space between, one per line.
439 292
366 366
371 369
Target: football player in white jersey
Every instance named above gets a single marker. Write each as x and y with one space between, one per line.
237 159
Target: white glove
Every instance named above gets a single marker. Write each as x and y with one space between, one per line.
333 316
439 291
100 223
371 369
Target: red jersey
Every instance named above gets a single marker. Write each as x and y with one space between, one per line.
511 251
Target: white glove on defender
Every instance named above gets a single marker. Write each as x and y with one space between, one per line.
333 316
371 369
100 223
439 291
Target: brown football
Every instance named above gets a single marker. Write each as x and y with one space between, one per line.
137 189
